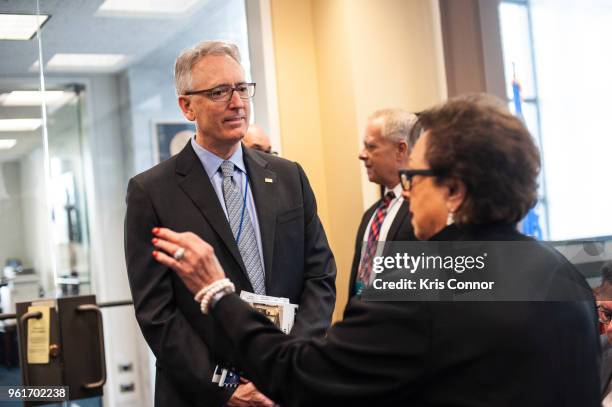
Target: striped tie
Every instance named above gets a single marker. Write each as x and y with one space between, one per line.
365 265
247 243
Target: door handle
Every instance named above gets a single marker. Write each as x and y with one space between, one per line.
94 308
22 338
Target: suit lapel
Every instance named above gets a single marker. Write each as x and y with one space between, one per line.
264 186
397 222
196 184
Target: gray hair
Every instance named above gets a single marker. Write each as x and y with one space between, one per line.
189 57
398 125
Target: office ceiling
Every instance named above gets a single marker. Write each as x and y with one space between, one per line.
75 27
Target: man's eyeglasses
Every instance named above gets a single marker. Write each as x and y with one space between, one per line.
406 177
224 93
605 315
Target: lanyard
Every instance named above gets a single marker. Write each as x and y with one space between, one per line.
246 192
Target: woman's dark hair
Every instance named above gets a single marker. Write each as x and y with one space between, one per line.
476 140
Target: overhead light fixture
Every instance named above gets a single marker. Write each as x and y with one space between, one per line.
84 62
144 7
6 144
20 26
34 98
19 124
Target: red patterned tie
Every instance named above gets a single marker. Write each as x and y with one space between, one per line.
365 266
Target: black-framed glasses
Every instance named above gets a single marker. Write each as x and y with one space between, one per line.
406 176
605 315
224 93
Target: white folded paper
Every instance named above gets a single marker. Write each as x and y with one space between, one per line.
278 309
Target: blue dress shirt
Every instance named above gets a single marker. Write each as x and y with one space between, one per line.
212 165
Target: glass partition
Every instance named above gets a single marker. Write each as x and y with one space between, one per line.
22 205
66 154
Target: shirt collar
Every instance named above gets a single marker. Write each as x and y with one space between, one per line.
212 162
397 190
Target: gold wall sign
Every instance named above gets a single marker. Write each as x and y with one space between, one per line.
39 332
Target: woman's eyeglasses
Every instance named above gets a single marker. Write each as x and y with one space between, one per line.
406 176
605 315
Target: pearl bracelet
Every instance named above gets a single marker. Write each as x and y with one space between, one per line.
215 298
224 285
200 295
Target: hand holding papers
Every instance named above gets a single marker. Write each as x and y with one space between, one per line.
279 310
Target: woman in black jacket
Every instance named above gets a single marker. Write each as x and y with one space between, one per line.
472 177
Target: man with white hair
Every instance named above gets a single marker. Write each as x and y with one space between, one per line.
388 136
257 211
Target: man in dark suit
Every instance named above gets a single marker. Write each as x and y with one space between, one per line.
388 136
257 211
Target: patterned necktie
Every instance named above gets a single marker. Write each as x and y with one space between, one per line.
365 265
247 243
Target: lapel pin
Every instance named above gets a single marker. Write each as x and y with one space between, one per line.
269 180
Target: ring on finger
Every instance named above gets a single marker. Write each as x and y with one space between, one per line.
179 253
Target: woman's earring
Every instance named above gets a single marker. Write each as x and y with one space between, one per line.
450 219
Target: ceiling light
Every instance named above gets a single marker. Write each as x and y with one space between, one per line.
20 26
34 98
19 124
85 62
7 144
143 7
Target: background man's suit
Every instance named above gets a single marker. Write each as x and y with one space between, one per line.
400 230
297 259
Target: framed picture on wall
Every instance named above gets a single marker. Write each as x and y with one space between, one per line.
170 138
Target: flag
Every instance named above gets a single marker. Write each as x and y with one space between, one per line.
531 223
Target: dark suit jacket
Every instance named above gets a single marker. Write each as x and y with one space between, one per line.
178 194
400 231
433 353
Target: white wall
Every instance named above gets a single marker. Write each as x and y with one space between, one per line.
11 214
36 219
